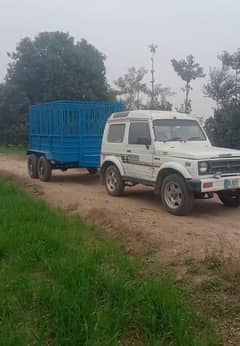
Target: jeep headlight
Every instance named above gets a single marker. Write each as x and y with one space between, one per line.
203 167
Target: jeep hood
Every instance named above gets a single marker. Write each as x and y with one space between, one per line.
195 151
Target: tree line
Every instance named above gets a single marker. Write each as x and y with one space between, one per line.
52 66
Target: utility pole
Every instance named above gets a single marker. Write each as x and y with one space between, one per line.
153 49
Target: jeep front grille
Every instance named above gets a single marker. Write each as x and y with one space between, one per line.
224 166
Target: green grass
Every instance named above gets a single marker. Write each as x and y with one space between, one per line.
64 283
13 149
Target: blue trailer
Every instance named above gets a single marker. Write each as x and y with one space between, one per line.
66 134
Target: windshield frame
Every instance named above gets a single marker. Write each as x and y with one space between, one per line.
178 139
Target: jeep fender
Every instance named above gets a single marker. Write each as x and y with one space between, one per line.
112 160
168 168
176 167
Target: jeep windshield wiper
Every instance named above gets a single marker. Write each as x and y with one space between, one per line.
196 138
175 139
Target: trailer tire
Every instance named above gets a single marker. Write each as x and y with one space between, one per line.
44 169
113 181
92 170
33 166
176 197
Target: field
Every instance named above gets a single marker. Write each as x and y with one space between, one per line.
63 283
201 251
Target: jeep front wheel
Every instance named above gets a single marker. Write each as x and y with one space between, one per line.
176 197
113 181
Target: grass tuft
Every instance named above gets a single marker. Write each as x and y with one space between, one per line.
13 149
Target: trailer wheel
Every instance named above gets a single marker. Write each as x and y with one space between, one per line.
176 198
44 169
113 181
92 170
33 166
230 198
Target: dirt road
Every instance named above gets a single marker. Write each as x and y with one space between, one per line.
138 219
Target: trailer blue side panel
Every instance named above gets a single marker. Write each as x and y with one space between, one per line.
70 132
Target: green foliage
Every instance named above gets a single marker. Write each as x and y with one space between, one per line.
136 95
52 66
63 283
220 86
212 284
231 61
132 88
224 83
160 98
13 113
188 70
224 127
224 88
13 149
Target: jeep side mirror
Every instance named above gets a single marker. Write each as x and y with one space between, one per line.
144 141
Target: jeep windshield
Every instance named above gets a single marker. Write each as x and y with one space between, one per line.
167 130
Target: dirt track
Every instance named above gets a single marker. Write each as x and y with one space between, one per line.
138 218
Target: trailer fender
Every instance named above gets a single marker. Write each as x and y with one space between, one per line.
40 153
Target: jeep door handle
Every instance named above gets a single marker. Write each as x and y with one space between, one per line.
129 150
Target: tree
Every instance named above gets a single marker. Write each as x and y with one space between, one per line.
220 87
223 88
13 113
224 126
136 94
188 70
158 97
132 87
232 61
53 67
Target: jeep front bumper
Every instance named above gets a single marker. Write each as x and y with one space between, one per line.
214 184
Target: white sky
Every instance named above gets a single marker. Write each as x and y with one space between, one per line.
122 29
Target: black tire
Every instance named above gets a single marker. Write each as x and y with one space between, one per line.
33 166
92 170
175 196
44 169
230 198
113 181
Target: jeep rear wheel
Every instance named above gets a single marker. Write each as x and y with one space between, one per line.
33 166
113 181
230 198
44 169
176 197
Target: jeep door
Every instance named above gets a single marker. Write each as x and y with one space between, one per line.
138 158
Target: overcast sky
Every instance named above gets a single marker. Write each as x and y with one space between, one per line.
123 29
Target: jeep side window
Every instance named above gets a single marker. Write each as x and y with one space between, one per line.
116 133
139 133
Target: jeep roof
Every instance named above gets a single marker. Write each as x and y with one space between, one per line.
148 114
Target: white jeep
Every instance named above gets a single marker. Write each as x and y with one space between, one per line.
171 152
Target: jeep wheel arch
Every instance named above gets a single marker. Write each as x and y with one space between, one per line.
112 161
163 173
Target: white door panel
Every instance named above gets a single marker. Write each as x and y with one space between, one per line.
139 157
139 165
